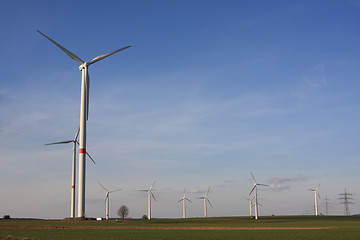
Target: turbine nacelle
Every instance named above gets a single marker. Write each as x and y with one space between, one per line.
83 66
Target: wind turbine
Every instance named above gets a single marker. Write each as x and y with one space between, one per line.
316 195
184 199
84 113
73 177
107 199
251 204
150 194
255 191
205 198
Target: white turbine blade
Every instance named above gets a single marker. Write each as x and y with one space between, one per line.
143 190
152 186
62 142
153 196
70 54
246 198
318 187
115 190
259 184
319 196
200 197
88 154
77 134
253 177
208 192
188 200
180 200
103 187
98 58
90 157
312 190
252 189
209 202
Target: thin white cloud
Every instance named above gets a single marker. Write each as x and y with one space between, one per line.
282 183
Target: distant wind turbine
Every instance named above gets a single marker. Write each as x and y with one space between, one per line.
84 113
184 199
255 193
206 200
73 177
107 199
251 204
316 195
150 194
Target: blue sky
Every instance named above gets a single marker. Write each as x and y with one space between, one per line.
208 92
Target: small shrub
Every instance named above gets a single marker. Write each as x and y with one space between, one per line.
6 217
145 217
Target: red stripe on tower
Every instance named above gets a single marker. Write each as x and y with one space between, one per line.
72 186
82 150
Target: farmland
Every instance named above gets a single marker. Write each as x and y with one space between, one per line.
284 227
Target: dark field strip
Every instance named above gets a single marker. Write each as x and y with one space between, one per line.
161 228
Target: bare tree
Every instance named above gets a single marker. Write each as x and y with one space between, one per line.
123 212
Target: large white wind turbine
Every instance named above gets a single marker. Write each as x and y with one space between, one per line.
107 199
150 194
316 195
84 113
206 200
73 175
255 193
184 199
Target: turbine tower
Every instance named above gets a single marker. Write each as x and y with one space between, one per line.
206 200
84 113
150 194
73 175
316 195
255 193
107 199
184 199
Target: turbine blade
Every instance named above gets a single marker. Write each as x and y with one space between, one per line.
209 202
253 177
115 190
90 157
188 200
252 189
180 200
207 192
70 54
259 184
200 197
62 142
77 134
312 190
87 154
153 196
152 186
98 58
102 186
143 190
319 196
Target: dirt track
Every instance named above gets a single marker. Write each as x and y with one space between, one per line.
160 228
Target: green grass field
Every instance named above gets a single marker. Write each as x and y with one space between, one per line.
344 228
